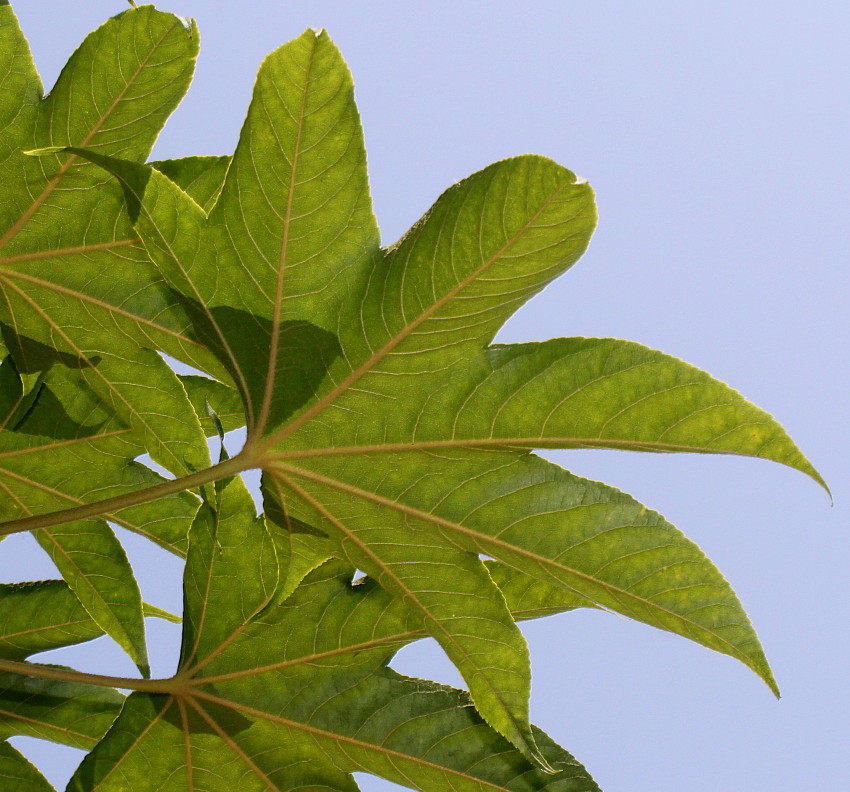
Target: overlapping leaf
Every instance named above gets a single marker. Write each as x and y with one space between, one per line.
275 338
83 390
374 413
50 702
392 434
72 273
37 617
70 713
44 615
297 693
90 457
40 616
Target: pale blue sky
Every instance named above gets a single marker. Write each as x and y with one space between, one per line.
715 135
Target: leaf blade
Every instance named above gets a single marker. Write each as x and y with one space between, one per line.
520 222
93 563
69 713
462 609
41 616
18 775
558 528
607 393
18 81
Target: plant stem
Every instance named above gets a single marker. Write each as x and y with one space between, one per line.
229 467
67 675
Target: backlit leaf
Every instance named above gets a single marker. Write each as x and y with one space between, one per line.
314 703
401 497
17 774
64 712
396 384
71 272
44 615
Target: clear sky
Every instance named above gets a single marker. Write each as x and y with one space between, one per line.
716 136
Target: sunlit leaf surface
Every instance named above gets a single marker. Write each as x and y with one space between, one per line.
298 693
393 436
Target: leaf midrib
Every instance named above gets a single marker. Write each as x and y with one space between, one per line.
187 745
6 637
489 442
38 255
60 444
271 370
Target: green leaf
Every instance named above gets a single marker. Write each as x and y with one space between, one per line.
62 232
392 435
16 773
299 694
87 553
19 84
15 400
606 393
459 603
39 474
393 384
592 540
93 563
44 615
232 552
529 598
165 743
75 476
64 712
201 178
303 219
559 221
70 449
223 399
40 616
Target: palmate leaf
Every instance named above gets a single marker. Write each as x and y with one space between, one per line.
481 638
295 694
382 416
392 435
